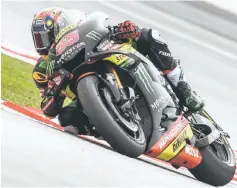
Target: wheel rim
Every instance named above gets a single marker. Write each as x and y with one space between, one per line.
220 147
222 150
133 130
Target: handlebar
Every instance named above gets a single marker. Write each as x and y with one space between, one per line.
114 33
119 33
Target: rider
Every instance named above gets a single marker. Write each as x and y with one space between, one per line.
49 22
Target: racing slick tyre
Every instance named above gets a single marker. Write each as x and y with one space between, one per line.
218 164
101 111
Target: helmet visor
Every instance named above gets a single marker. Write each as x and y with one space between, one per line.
41 40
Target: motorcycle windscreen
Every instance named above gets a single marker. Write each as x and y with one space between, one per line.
86 36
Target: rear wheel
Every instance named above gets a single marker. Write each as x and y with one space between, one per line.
126 137
218 164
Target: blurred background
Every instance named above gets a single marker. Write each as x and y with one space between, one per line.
203 34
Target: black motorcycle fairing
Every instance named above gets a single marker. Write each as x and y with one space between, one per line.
157 98
149 83
155 94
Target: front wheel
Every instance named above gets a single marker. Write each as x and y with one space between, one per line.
102 113
218 164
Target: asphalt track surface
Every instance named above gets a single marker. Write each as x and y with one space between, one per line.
36 155
39 155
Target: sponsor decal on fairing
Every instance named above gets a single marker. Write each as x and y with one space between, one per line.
180 140
191 151
72 51
143 75
170 135
94 35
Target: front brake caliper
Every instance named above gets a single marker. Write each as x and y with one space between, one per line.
129 105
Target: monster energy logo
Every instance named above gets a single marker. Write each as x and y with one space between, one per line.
143 75
94 35
50 67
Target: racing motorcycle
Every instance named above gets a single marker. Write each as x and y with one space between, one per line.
133 107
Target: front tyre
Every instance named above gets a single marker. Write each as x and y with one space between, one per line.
218 164
104 119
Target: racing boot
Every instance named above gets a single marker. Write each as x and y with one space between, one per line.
188 97
74 121
183 90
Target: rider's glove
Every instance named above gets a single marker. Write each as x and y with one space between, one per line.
58 80
128 26
53 99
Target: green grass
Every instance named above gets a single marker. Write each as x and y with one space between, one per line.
17 83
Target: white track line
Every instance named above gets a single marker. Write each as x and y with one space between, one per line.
26 60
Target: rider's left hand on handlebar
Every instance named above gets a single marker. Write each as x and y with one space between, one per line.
128 26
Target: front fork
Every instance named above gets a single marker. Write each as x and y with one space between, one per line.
127 96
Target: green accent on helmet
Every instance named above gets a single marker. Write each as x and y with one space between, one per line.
43 65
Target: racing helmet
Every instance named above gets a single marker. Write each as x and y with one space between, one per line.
49 22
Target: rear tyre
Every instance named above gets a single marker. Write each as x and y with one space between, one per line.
104 120
218 164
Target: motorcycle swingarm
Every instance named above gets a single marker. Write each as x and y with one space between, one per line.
211 131
206 141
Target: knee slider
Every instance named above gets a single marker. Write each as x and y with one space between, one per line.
72 116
